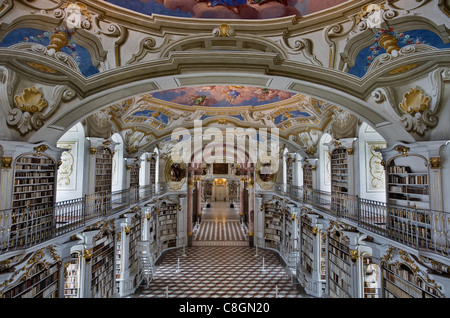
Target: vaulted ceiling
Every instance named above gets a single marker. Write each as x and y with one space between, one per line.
142 68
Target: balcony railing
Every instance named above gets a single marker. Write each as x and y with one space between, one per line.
422 229
25 227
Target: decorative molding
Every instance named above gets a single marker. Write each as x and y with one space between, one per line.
224 30
414 101
418 117
31 108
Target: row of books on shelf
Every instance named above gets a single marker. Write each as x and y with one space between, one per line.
422 232
411 180
103 172
422 217
168 222
401 283
37 160
34 203
168 232
34 167
33 195
335 289
168 237
103 289
273 231
166 217
275 225
408 189
28 188
272 237
36 174
399 169
36 285
341 264
33 181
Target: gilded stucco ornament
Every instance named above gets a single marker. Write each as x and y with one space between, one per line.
224 30
418 117
31 100
31 108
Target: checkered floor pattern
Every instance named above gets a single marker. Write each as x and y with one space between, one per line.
220 231
220 272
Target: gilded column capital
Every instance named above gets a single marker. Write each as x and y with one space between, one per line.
435 163
6 162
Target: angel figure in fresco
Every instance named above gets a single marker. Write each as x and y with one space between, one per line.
230 4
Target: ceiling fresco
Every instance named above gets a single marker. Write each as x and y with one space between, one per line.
223 96
227 9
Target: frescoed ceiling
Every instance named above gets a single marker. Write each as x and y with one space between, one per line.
222 96
146 118
227 9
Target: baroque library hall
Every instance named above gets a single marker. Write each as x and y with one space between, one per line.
224 149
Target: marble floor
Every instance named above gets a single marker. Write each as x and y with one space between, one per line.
220 264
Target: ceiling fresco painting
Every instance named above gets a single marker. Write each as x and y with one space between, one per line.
78 53
222 96
227 9
367 56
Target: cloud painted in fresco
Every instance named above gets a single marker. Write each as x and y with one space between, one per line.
200 9
222 96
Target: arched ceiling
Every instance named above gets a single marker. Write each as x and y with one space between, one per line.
150 74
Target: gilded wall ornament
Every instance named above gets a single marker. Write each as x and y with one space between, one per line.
31 100
224 30
6 162
31 108
435 163
418 117
414 101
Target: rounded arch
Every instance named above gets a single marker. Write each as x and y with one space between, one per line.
181 70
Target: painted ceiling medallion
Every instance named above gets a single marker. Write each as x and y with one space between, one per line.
414 101
31 100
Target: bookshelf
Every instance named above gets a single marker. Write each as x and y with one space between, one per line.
370 277
399 281
32 217
102 279
134 175
135 236
118 264
289 170
273 225
289 228
307 175
41 282
339 177
407 180
72 278
307 244
410 226
323 257
103 169
167 225
152 234
339 266
152 170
